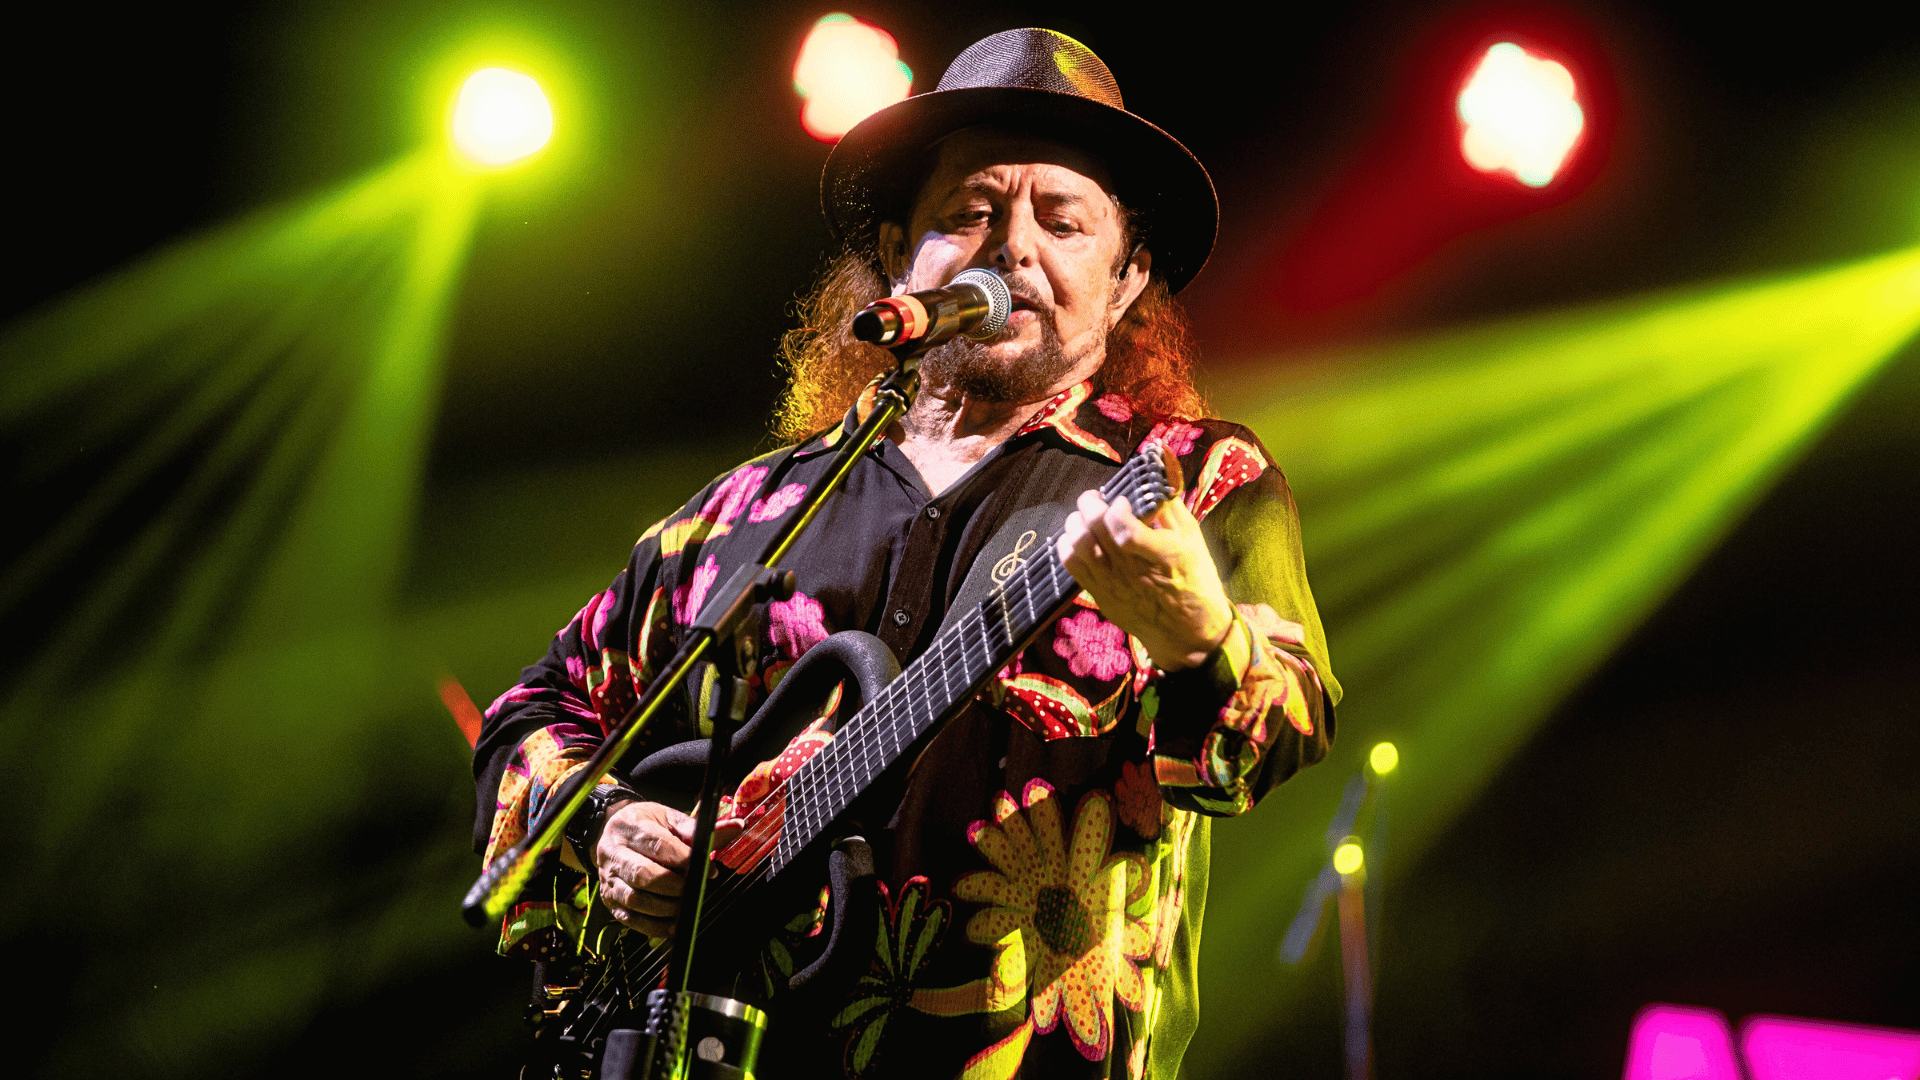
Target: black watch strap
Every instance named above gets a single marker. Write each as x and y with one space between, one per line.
583 832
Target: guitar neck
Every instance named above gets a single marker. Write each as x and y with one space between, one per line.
952 670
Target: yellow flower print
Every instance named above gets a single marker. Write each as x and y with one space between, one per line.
1066 894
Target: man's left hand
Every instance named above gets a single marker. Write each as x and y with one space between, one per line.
1154 579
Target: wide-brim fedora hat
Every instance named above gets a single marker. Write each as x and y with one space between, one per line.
1040 82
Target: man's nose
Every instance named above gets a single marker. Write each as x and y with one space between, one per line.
1016 248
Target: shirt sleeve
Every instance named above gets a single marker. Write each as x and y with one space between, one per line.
548 724
1262 705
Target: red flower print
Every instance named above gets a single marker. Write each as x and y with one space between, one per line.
1114 407
1177 434
1138 797
796 625
777 503
1091 646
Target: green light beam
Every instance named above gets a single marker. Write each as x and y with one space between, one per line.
341 560
303 349
1488 514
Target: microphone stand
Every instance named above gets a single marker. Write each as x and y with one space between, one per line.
487 901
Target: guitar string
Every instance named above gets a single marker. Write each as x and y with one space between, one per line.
1148 490
870 743
716 908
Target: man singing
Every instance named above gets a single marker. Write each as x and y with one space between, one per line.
1043 875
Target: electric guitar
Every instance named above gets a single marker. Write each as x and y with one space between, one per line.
814 813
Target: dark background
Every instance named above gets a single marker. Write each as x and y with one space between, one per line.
1724 815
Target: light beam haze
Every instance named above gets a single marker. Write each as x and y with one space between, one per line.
269 387
1489 513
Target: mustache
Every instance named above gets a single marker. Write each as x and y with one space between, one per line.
1022 289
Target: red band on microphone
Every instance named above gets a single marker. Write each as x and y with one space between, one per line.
913 316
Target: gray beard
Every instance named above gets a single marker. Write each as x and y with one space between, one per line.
965 365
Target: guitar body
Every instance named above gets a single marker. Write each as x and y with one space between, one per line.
605 988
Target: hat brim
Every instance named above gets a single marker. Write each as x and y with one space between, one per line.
873 171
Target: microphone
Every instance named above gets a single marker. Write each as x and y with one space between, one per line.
976 303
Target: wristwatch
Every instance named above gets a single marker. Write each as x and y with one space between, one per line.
584 830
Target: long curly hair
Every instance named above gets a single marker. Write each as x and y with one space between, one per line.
1150 352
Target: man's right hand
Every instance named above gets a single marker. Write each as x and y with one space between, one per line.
642 863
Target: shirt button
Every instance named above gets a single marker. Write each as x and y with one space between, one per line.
901 618
933 513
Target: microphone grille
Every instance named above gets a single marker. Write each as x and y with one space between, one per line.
999 301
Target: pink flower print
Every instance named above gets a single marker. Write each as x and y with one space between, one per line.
593 619
520 692
691 595
796 625
777 503
1177 434
1091 646
1114 407
731 496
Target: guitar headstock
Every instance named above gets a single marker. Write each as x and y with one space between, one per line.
1148 481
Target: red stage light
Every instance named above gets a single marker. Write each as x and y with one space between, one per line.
1519 114
847 70
1503 112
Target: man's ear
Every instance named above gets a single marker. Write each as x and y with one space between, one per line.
892 242
1132 280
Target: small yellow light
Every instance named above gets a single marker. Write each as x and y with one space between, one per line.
1385 758
1348 858
500 117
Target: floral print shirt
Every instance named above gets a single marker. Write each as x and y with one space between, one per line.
1043 877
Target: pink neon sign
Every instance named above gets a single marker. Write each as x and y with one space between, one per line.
1679 1042
1785 1048
1675 1042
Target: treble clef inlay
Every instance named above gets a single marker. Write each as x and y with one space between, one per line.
1004 569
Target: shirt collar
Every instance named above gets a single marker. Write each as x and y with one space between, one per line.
1063 414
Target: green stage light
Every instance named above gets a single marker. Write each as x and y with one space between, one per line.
500 117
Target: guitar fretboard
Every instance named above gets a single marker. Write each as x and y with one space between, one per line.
944 678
